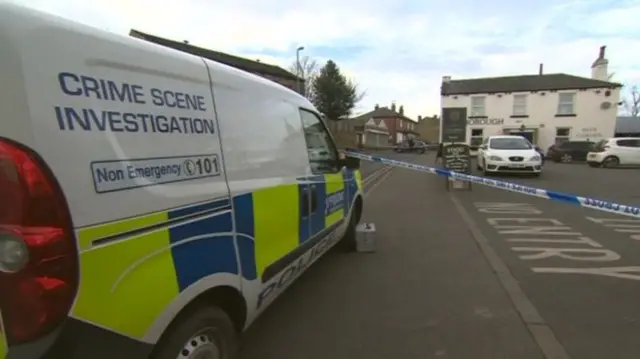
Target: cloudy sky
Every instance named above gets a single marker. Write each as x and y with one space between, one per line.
396 50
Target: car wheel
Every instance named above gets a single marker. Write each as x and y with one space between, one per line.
566 158
206 332
611 162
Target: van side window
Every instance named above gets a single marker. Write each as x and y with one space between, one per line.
323 156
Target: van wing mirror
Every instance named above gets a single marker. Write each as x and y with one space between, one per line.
350 163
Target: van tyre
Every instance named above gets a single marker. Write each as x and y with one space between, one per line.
205 332
348 241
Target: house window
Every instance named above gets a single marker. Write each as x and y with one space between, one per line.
566 103
519 105
562 134
477 135
477 106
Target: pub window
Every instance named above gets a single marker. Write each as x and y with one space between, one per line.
563 134
566 103
477 106
477 135
519 105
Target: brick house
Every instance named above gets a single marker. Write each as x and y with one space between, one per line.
378 128
400 126
428 128
271 72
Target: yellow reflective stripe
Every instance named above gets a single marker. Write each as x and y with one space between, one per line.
359 179
276 223
90 234
334 183
4 347
126 285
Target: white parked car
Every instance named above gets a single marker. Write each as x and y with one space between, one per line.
508 154
614 152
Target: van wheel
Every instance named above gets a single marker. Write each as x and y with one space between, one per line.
566 158
206 332
348 241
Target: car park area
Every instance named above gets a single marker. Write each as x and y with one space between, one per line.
472 274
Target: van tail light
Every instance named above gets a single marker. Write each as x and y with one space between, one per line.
38 255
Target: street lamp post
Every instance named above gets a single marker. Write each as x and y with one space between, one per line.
298 69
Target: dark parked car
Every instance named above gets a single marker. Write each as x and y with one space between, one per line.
569 151
418 146
540 151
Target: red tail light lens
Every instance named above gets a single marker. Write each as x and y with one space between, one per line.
38 256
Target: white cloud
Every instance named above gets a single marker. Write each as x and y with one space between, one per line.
409 46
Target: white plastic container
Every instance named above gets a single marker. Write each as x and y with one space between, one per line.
365 237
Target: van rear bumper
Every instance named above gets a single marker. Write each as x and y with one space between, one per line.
80 340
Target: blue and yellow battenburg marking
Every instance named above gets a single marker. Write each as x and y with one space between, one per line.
4 348
125 263
159 255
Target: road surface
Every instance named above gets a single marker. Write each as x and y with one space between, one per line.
481 274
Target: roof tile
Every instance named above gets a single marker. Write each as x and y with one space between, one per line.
227 59
522 83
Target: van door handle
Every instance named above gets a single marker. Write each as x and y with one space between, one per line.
304 202
314 199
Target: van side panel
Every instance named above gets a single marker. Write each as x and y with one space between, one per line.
265 158
130 132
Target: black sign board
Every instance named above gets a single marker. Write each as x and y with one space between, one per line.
454 124
455 157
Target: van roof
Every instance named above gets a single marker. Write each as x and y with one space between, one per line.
34 17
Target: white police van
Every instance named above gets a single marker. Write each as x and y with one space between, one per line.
152 203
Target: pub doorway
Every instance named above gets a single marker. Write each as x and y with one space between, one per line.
526 134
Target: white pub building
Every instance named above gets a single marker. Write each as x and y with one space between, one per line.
544 108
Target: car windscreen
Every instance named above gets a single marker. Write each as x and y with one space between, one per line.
509 144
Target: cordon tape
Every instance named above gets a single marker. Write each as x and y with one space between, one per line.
587 202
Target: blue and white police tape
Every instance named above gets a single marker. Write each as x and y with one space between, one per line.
587 202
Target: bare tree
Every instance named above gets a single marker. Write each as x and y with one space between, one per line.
632 103
308 71
356 88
